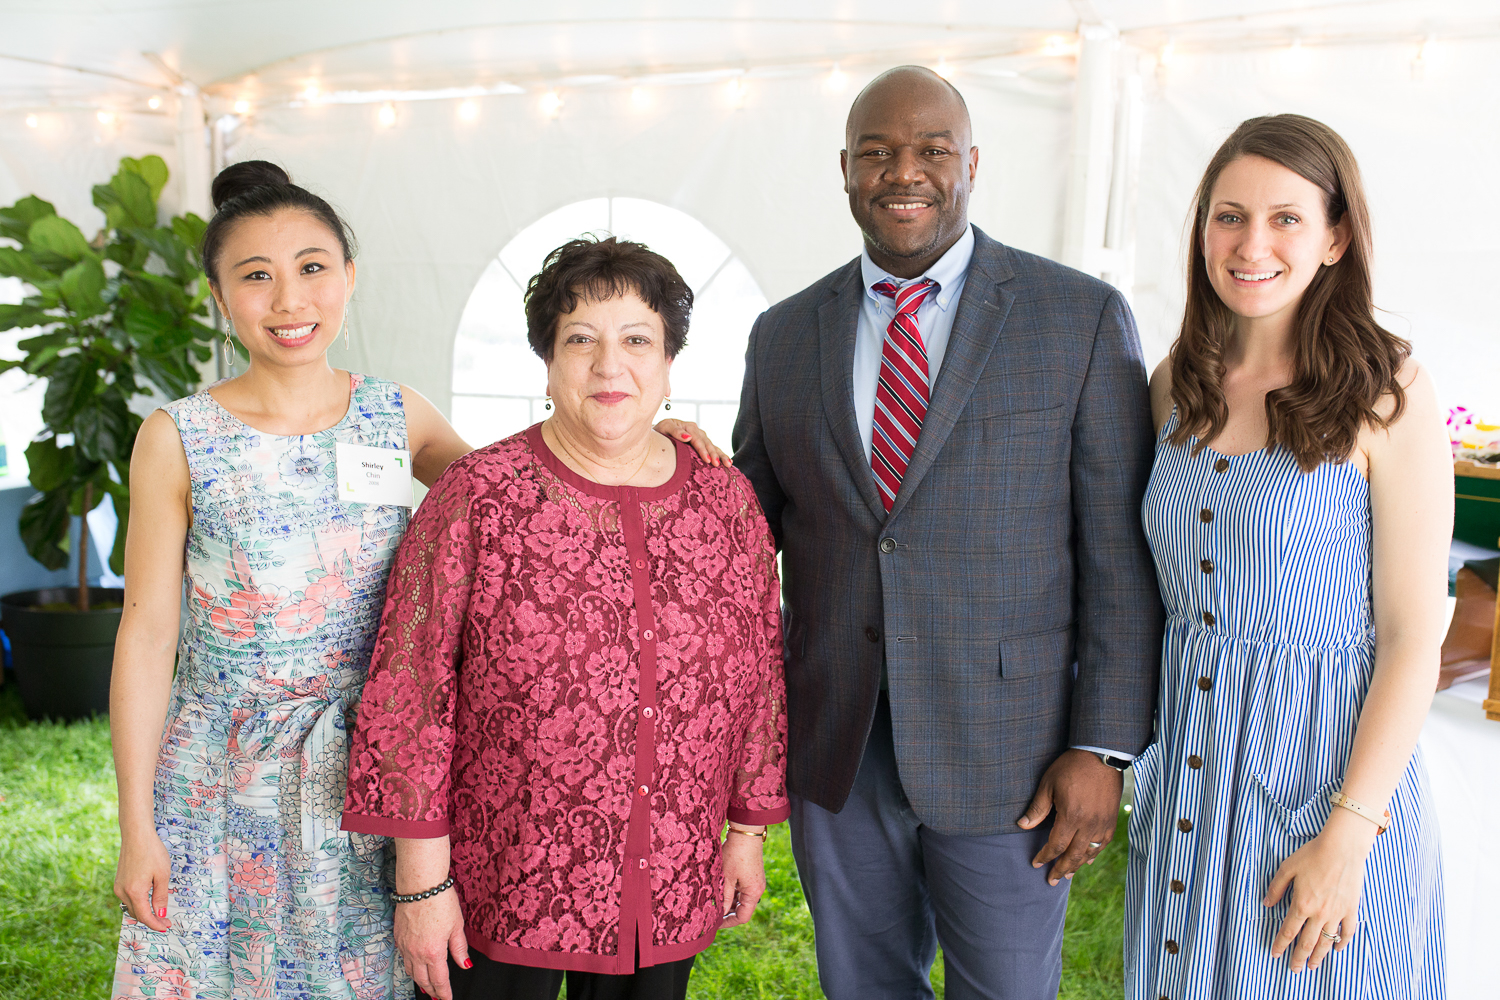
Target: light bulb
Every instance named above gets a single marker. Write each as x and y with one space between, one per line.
387 115
551 103
154 103
31 121
468 111
737 89
311 92
640 98
106 117
241 107
837 79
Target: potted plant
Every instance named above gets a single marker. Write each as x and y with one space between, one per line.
114 318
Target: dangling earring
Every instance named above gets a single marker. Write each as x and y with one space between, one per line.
346 333
229 347
547 403
669 402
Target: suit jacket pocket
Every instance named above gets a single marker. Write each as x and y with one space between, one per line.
988 408
1040 652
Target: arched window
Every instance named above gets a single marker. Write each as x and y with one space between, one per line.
499 384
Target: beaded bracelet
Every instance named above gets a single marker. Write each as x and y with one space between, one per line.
442 886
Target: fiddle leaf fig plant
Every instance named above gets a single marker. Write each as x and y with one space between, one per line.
113 318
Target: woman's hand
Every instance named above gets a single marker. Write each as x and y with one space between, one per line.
142 879
686 430
427 931
744 878
1326 877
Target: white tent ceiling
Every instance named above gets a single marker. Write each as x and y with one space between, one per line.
61 52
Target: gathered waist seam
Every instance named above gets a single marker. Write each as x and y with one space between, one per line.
1367 640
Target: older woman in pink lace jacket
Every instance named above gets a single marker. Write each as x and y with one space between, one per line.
577 681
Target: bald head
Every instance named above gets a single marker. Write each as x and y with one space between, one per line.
908 85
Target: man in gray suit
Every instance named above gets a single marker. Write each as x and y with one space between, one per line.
950 439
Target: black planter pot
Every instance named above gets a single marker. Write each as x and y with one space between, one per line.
62 659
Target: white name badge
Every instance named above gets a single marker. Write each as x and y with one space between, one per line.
380 476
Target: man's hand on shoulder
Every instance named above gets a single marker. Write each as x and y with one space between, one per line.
1085 793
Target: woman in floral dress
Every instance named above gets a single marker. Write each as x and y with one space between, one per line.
234 876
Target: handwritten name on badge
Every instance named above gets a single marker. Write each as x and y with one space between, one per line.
380 476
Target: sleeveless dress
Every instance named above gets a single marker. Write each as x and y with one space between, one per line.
1268 655
284 587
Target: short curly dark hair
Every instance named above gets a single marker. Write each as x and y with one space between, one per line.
598 269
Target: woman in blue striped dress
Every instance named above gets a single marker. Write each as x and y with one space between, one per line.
1283 842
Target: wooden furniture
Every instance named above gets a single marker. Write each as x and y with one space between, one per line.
1469 647
1476 503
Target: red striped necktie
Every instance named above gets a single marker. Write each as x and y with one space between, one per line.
902 392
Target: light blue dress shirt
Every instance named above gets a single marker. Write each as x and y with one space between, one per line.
934 321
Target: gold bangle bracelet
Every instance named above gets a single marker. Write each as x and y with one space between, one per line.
763 834
1361 810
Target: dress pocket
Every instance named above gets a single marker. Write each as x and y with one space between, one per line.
1145 781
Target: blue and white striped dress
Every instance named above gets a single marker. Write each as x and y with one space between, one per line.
1269 649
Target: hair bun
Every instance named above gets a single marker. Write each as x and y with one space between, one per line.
237 178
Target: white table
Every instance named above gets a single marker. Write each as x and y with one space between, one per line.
1462 751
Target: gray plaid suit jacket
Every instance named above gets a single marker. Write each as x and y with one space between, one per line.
1010 589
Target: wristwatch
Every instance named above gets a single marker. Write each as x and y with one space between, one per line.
1118 763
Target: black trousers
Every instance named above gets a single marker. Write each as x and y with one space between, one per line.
491 980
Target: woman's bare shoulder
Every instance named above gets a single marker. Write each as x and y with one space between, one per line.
1161 394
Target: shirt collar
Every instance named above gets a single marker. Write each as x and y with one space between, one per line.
948 271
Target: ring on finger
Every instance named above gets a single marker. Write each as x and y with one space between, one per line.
1094 845
124 907
1335 938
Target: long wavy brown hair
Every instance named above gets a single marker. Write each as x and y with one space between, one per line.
1345 361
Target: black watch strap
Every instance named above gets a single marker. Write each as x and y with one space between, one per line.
1118 763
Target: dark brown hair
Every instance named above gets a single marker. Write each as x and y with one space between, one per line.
258 187
1345 362
598 269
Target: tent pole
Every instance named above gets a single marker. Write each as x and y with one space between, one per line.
1119 227
1087 203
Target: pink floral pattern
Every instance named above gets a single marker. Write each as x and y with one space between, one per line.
577 684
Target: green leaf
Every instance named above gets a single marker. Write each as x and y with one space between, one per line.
17 264
101 431
83 287
189 229
152 169
174 378
133 196
146 326
70 385
120 494
16 220
44 527
23 317
50 466
58 236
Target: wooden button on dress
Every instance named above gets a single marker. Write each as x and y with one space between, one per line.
1204 683
1205 515
1195 762
1222 465
1178 887
1185 825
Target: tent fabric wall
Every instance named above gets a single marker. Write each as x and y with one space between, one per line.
1427 145
432 199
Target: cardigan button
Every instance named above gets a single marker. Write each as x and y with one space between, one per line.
643 864
648 711
648 635
640 564
643 791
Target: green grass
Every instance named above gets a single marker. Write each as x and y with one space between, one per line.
59 920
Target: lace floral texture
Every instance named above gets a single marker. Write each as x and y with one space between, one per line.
577 684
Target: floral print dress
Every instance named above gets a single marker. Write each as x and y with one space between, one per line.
284 585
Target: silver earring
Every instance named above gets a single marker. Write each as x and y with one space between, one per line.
547 404
1330 260
346 333
669 402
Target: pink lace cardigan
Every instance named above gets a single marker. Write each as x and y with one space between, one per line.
577 683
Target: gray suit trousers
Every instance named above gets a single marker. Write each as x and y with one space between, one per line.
885 890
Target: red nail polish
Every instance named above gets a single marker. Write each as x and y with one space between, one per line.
468 963
162 913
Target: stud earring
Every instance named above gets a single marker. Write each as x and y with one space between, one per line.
1330 260
669 402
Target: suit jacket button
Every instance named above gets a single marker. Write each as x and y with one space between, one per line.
872 633
888 545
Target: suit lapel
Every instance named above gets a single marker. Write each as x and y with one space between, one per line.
976 328
838 320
